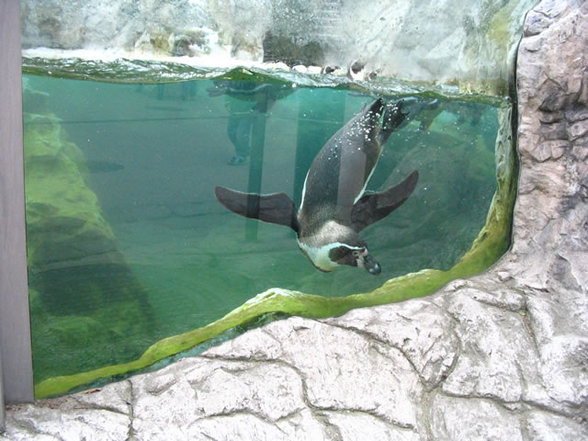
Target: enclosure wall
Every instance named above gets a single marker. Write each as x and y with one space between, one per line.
15 347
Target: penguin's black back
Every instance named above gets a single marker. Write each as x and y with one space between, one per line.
339 172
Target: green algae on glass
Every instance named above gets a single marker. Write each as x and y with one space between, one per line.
492 241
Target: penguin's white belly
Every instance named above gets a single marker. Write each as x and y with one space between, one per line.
320 256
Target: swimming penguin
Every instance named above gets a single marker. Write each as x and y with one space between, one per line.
334 208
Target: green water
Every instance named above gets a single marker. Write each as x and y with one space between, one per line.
152 155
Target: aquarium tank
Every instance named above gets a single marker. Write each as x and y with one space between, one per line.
129 128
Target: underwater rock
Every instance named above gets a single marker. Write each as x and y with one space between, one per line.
84 296
459 175
37 101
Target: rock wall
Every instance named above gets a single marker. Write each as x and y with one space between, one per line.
83 294
469 43
500 356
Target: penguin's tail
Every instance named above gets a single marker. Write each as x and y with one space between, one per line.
393 118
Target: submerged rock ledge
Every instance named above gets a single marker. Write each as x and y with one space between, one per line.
499 356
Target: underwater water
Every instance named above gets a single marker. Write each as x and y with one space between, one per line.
128 245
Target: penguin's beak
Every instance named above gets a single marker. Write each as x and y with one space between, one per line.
371 265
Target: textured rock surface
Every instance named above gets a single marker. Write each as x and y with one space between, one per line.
502 356
448 41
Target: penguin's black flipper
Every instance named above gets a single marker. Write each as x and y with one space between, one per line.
275 208
376 206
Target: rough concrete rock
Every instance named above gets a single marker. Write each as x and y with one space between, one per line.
501 356
464 42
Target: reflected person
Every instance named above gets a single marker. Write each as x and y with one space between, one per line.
245 100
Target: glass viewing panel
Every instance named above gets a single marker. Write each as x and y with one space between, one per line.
127 244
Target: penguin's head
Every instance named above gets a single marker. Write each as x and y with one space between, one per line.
335 245
355 255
